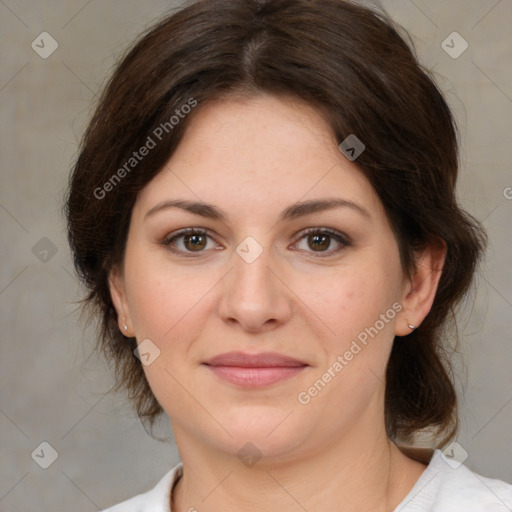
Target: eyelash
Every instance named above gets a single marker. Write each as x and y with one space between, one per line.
340 238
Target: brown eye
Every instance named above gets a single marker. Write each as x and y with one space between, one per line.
195 242
320 240
187 241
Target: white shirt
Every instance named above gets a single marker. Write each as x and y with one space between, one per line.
440 488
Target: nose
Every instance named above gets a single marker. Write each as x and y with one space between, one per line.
255 296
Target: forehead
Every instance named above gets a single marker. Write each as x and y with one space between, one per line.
263 150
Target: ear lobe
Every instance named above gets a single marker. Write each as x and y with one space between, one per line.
118 295
420 293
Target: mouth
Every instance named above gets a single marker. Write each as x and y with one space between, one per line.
254 370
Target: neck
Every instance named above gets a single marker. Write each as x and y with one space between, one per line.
365 474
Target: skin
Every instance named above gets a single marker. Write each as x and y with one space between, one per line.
252 158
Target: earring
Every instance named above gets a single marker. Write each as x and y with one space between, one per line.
125 326
411 326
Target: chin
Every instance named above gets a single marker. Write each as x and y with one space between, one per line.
269 431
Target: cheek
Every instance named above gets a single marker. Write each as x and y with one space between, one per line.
349 300
170 309
168 305
162 307
358 308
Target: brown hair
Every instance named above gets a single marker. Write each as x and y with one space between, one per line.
354 67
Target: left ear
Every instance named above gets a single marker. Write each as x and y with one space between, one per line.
420 290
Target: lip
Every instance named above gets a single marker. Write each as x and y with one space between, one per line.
254 370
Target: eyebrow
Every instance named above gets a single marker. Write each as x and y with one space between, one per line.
293 211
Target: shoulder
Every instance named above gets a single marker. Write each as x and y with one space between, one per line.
447 486
156 499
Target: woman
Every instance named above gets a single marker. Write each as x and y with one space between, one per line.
263 210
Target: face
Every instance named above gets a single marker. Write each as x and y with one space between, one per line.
320 286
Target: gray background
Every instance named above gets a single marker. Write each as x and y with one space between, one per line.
51 390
